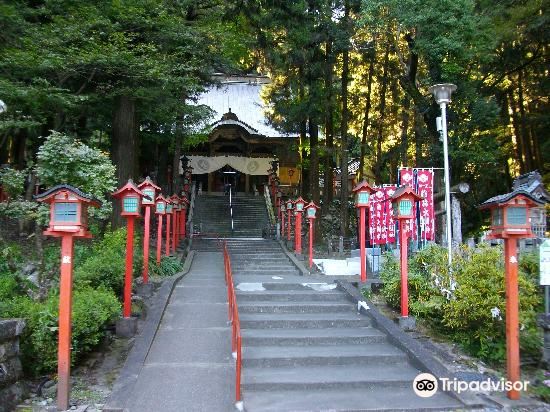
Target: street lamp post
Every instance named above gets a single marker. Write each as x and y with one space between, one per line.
442 94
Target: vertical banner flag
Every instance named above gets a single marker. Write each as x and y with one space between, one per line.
381 222
389 190
406 178
376 216
425 188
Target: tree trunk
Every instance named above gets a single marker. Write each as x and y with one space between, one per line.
124 146
520 144
523 125
417 139
405 131
329 128
314 161
176 180
382 117
366 117
344 193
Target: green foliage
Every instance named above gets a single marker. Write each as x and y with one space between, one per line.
62 159
168 266
12 181
92 310
106 263
10 284
469 306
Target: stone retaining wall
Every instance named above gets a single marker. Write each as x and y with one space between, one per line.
11 391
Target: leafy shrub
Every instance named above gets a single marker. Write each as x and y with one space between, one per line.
428 278
106 264
168 266
12 181
470 305
92 311
79 165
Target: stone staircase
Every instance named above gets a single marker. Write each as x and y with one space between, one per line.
306 348
213 219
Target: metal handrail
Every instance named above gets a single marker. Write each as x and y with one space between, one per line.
236 338
231 207
191 211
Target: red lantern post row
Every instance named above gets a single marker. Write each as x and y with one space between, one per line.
68 219
403 201
311 210
362 193
130 199
150 190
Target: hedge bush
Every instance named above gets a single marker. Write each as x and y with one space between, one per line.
93 310
106 263
470 305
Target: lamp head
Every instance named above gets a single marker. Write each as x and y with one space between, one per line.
442 92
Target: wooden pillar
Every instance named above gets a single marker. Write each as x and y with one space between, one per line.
247 183
210 182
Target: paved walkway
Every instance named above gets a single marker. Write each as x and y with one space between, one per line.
190 367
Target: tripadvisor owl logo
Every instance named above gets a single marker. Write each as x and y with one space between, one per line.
425 385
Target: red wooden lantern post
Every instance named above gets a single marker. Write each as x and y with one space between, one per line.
185 206
175 221
283 218
299 205
68 219
311 211
279 196
150 190
510 221
169 207
131 198
160 211
403 200
362 193
289 208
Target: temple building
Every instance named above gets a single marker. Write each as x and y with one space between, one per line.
241 143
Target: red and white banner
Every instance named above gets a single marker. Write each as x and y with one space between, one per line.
381 223
425 188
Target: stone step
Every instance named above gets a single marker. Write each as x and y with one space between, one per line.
348 400
302 320
329 377
306 337
267 270
323 355
283 285
292 296
296 307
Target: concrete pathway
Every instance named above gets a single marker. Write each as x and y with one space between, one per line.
189 366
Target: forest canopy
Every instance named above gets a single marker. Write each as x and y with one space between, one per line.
349 77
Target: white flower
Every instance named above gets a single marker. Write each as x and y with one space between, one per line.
495 313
